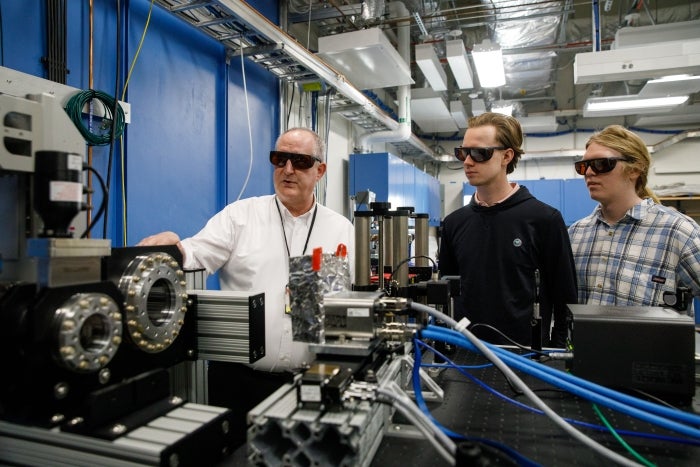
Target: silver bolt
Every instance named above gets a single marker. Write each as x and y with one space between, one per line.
104 376
118 429
57 418
60 391
75 421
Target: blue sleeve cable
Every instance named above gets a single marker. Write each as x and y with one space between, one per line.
657 409
519 458
524 406
559 380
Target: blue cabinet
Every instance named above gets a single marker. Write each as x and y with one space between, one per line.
395 181
547 191
577 202
569 196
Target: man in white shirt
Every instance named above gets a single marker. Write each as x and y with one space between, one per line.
250 242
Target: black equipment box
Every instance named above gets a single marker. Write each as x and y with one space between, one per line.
647 349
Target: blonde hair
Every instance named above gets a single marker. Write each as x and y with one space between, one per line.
633 148
509 134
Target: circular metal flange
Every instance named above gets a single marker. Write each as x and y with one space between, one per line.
155 300
88 329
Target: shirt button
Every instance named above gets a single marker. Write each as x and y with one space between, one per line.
600 286
610 233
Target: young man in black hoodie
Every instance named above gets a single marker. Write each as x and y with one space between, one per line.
511 251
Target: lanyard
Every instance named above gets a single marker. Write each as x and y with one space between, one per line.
284 232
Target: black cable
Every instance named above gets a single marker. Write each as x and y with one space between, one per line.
291 102
103 204
653 398
500 333
391 277
117 109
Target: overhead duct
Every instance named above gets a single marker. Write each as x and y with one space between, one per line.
366 58
514 28
403 132
641 53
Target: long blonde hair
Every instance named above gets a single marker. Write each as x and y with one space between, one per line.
633 148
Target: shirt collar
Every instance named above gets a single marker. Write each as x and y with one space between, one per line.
513 188
288 217
636 213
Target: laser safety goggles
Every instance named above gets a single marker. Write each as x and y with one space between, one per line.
477 154
600 166
299 161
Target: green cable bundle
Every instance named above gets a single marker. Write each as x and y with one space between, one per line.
74 109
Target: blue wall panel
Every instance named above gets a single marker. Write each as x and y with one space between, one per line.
395 181
187 149
172 142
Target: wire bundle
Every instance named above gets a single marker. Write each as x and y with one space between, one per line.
74 109
676 420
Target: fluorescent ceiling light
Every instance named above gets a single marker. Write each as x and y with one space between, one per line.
459 63
502 107
676 85
458 113
685 115
430 65
488 60
539 124
625 105
429 111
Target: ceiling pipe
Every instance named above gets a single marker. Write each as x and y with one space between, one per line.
670 141
403 132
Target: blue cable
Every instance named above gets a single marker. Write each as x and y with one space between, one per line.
667 412
520 459
560 380
593 426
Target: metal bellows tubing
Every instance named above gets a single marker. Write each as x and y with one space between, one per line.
421 243
363 221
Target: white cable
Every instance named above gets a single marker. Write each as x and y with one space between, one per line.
573 432
439 434
427 430
250 129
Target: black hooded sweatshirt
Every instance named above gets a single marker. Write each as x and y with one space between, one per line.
496 251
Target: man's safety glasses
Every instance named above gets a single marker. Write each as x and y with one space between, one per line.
299 161
477 154
599 166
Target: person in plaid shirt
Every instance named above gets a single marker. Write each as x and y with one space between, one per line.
630 249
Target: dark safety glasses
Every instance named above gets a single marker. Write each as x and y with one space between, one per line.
477 154
299 161
599 166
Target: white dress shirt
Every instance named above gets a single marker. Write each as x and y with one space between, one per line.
245 243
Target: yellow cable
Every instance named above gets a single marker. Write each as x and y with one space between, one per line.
121 140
